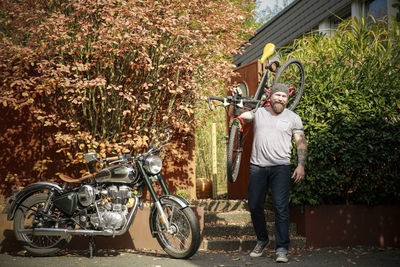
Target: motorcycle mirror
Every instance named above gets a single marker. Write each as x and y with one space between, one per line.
166 133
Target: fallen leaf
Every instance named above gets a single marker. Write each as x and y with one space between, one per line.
351 261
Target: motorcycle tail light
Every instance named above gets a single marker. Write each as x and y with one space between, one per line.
153 164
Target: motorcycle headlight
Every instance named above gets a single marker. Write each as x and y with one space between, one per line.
153 164
86 195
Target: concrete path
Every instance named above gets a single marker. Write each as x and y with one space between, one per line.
326 257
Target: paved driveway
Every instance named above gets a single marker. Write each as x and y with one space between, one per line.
358 256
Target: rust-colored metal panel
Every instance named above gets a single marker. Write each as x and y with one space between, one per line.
349 225
250 75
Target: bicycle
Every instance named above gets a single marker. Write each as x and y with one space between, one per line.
290 73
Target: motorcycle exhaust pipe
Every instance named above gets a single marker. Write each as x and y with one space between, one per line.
64 231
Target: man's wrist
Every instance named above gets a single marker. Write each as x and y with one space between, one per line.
302 164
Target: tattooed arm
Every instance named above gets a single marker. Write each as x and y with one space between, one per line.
302 152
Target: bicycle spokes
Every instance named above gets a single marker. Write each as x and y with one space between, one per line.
291 73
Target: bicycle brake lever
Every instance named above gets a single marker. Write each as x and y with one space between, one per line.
226 103
240 105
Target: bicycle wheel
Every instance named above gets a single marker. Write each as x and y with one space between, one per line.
292 74
234 153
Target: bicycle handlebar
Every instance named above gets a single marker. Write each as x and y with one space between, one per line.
239 101
222 99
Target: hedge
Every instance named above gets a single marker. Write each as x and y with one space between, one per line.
350 110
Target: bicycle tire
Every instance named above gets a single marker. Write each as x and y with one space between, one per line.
234 153
281 77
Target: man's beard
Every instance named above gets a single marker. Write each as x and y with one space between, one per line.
277 107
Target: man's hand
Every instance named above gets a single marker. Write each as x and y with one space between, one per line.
237 91
298 173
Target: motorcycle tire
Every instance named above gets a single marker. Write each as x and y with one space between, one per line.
27 216
184 240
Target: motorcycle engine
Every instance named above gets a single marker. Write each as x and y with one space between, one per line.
110 210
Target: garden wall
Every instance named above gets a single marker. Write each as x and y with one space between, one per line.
348 225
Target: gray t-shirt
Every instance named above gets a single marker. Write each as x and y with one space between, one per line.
272 143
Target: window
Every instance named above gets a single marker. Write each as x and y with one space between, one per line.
377 8
243 87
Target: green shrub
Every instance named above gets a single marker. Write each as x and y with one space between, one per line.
350 110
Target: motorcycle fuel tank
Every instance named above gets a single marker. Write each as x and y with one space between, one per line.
117 174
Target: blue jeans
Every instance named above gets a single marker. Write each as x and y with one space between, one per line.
278 179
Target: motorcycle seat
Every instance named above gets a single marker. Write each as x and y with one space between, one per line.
70 179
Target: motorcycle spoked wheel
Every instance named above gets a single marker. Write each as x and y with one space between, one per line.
28 216
184 240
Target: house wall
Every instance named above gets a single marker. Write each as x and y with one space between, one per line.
297 18
303 16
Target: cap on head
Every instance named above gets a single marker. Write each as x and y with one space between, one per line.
279 87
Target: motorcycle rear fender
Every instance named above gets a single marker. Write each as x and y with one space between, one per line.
20 195
183 203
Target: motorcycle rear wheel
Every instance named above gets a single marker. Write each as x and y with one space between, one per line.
184 239
28 216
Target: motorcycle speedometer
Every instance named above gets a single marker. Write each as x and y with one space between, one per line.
153 164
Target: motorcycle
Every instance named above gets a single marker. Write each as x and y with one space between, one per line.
104 203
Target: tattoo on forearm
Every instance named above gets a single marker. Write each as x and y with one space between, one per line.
302 151
302 156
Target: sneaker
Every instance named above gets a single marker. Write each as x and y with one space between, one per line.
259 248
281 257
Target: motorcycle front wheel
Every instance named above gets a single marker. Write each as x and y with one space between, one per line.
182 240
29 215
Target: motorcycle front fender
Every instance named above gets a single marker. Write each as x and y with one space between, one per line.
20 195
183 203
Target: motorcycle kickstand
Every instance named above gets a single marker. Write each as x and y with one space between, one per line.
92 247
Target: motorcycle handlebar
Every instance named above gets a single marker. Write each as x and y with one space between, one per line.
112 158
128 157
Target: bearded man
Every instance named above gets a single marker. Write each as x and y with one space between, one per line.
274 127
